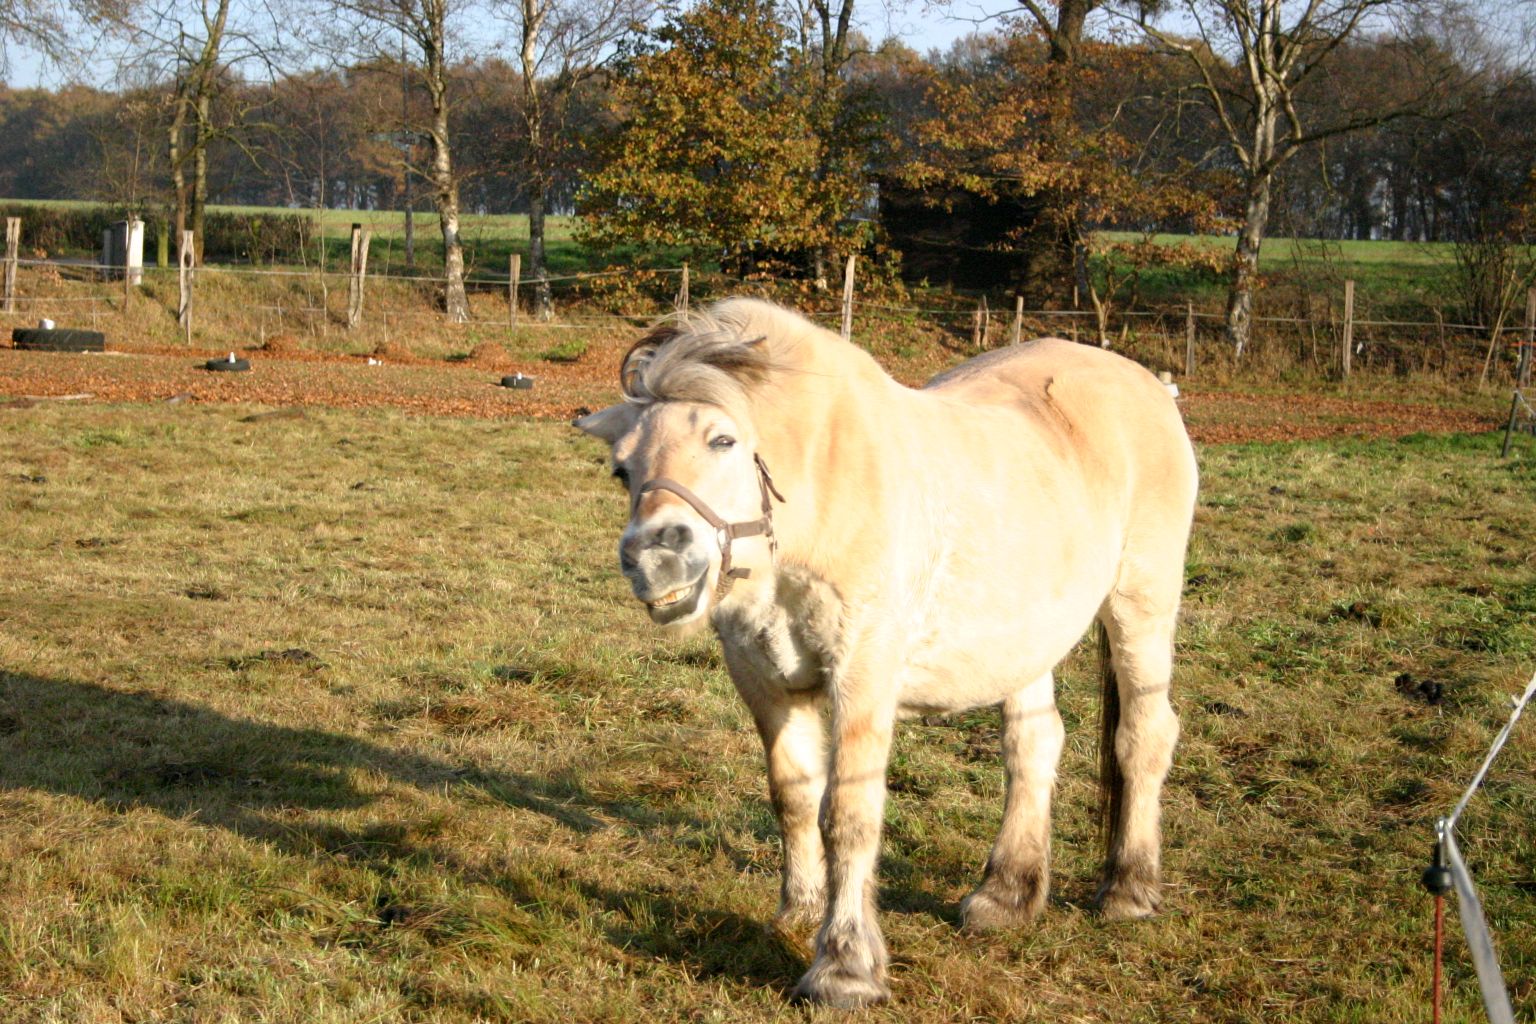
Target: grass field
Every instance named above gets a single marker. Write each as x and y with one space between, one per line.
348 717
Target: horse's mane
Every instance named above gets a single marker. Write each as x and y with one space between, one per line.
716 356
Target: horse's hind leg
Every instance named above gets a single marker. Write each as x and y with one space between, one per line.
1018 870
1139 621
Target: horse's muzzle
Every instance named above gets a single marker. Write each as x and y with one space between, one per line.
667 567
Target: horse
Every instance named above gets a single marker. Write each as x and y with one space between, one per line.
866 551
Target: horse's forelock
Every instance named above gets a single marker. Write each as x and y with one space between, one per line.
697 359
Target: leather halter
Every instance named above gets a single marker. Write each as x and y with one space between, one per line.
724 531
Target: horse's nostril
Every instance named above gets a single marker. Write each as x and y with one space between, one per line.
674 538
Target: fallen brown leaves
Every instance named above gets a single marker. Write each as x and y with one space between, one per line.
470 388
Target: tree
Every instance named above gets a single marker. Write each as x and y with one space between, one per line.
50 27
1014 126
423 35
1276 49
562 45
713 152
200 47
841 116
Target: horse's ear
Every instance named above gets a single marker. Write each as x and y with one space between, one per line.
608 424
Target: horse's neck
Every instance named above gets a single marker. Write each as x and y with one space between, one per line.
828 425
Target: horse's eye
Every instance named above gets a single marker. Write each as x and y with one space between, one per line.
723 442
621 475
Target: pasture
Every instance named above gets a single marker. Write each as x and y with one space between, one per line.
1392 274
348 717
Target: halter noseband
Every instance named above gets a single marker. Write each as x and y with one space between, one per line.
727 532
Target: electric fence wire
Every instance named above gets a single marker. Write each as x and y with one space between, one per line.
1490 978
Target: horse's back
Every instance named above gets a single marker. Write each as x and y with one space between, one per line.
1102 411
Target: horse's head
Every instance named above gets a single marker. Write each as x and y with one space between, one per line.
684 446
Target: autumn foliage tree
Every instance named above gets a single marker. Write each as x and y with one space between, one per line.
1009 122
715 148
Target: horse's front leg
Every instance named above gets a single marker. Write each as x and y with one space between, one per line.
794 741
850 965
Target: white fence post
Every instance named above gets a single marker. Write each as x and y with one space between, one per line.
184 258
1348 353
12 254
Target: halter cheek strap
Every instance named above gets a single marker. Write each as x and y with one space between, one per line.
724 531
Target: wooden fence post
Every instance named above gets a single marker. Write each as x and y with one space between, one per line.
514 274
1509 429
1189 339
12 254
184 258
682 292
981 320
360 240
1348 352
1018 319
848 299
1523 379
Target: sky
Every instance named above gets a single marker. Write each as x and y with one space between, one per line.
922 26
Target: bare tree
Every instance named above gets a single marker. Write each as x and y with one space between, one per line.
50 28
430 37
562 44
199 47
1253 58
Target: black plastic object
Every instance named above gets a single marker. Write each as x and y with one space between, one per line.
229 364
58 339
518 381
1437 877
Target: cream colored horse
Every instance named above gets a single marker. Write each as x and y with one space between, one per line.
933 551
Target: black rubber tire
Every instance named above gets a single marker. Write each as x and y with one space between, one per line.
517 381
229 367
59 339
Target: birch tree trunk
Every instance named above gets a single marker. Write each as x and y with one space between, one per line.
536 180
1245 269
445 189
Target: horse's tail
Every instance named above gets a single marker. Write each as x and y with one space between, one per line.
1111 780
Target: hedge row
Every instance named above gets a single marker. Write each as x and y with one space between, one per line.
75 230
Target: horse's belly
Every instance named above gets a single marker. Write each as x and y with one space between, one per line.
973 660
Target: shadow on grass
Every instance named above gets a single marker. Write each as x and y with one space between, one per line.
132 750
128 750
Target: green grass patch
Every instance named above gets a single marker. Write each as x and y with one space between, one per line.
350 718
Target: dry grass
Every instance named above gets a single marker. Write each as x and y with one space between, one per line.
347 718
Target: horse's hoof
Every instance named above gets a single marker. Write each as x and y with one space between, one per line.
1129 902
839 989
982 911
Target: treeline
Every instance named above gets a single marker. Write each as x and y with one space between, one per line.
770 138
